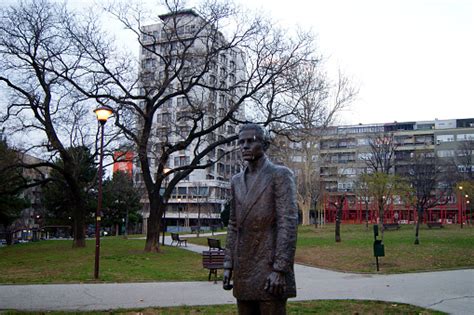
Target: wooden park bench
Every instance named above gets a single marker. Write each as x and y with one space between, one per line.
213 260
214 244
179 241
435 225
391 226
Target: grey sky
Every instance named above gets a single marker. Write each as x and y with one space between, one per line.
412 59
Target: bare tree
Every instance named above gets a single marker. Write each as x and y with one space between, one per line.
315 102
465 160
183 70
337 200
382 153
362 192
431 182
384 189
34 48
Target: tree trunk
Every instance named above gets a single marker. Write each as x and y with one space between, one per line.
305 207
125 232
8 234
366 216
417 229
338 224
78 205
79 222
381 216
152 243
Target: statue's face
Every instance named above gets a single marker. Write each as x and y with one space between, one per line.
250 145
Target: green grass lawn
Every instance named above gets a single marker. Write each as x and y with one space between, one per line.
306 307
447 248
124 260
121 260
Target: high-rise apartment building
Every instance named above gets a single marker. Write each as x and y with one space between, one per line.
175 51
345 149
339 154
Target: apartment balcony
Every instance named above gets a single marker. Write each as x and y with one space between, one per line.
338 162
338 149
417 146
192 215
186 199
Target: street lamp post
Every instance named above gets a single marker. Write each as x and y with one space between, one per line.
466 206
165 170
103 113
460 206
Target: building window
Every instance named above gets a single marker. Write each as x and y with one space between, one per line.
149 64
344 186
232 78
446 153
465 137
222 99
181 161
213 96
212 80
223 59
444 138
230 129
223 72
181 102
212 66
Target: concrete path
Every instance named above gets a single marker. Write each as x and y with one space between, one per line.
448 291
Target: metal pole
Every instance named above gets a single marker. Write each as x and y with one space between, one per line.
163 227
99 204
125 233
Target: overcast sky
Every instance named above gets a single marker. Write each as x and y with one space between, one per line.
411 59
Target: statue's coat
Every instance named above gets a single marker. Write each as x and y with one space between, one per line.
262 232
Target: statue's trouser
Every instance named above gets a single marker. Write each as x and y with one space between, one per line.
274 307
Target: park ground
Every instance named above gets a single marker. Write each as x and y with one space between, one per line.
123 260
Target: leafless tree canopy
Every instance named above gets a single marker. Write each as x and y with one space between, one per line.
382 153
432 183
36 56
57 64
465 161
307 109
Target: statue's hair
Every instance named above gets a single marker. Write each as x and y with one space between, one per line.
260 132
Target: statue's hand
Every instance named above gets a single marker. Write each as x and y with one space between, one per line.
276 283
226 280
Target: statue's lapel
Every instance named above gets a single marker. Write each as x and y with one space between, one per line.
255 191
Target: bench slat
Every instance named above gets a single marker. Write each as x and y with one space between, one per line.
213 260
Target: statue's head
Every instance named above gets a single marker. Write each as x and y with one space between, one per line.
258 131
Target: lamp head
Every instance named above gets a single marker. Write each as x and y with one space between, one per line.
103 113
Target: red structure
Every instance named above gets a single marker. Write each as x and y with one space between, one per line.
123 161
355 210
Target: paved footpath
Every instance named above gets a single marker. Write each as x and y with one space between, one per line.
448 291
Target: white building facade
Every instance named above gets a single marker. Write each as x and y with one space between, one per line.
174 53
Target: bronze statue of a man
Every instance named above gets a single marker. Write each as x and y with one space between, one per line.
261 239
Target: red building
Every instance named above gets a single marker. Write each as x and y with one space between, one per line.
123 162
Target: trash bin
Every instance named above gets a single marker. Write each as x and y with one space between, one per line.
379 250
